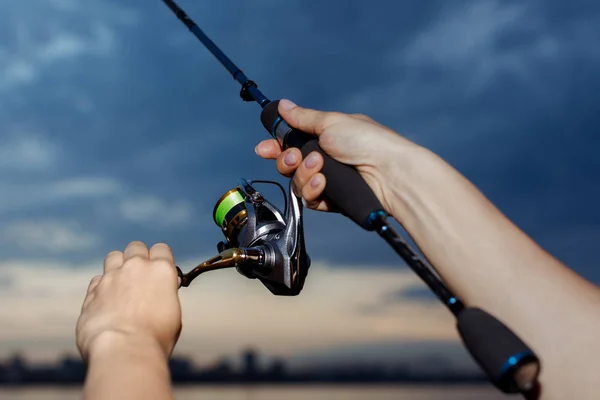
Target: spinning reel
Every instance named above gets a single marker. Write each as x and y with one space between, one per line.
261 242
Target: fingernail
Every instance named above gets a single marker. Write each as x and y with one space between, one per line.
315 181
287 105
264 146
256 150
290 159
311 160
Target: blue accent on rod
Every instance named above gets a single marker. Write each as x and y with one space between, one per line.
277 121
374 216
514 360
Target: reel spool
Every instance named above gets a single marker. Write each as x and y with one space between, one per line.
230 214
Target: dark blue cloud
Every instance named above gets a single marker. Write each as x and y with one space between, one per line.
506 92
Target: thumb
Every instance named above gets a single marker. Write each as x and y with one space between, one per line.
305 119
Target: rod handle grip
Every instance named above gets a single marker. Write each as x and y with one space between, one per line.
506 360
346 190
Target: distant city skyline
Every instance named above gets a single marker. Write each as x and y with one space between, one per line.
250 366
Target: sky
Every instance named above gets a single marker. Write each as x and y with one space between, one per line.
117 125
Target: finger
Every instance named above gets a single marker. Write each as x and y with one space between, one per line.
135 249
91 294
269 149
288 161
86 302
93 284
113 260
306 119
162 251
311 165
311 193
323 205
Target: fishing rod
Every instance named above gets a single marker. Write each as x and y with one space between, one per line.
265 244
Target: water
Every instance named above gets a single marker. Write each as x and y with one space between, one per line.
286 393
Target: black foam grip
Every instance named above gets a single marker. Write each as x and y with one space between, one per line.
345 189
497 350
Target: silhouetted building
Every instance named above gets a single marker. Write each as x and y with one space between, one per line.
181 368
277 368
71 369
179 365
16 369
250 368
223 367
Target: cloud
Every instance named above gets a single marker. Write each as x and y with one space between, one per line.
66 45
53 36
6 282
30 59
19 196
21 149
406 294
85 187
153 210
420 293
466 36
49 236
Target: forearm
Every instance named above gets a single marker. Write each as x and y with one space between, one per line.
490 263
127 369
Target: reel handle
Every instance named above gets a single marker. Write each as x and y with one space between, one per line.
346 190
510 364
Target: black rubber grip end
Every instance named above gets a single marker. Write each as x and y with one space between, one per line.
509 363
345 189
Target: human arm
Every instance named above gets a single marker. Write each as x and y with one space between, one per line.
490 263
129 324
128 368
481 255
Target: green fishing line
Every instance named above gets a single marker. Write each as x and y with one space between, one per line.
232 200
